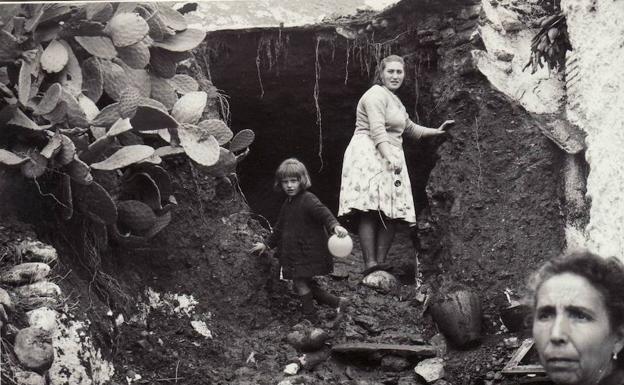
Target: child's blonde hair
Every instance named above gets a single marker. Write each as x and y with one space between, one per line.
292 168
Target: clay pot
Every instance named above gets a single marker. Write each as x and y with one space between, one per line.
458 316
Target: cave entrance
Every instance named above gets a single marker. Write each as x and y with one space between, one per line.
297 89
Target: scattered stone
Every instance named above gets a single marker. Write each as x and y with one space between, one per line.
307 340
43 317
367 322
512 342
439 343
408 351
292 369
442 382
39 289
35 251
24 273
310 360
28 378
33 348
431 369
394 363
5 300
381 281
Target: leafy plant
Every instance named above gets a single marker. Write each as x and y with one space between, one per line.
550 44
82 86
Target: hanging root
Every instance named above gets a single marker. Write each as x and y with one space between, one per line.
258 69
319 122
347 65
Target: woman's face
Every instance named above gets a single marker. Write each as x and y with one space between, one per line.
393 75
572 331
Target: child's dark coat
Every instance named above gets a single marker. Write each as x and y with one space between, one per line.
300 237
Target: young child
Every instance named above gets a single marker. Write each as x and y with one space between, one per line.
300 238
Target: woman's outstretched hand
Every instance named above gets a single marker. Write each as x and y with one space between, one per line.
258 248
340 231
445 124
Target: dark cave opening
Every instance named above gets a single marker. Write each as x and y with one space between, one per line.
271 78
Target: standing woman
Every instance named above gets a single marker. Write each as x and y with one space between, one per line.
375 184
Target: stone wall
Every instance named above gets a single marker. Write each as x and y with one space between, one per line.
589 96
595 99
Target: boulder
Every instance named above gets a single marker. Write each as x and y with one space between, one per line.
28 378
24 273
39 289
43 317
5 300
33 348
381 281
35 251
292 369
431 369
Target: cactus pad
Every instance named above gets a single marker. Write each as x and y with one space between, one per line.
218 129
49 100
8 158
79 171
135 215
126 29
93 79
98 46
128 102
53 147
225 166
172 18
136 55
182 41
94 201
242 140
54 57
109 115
119 127
167 151
190 107
115 79
124 157
203 148
149 118
163 91
67 151
35 166
183 83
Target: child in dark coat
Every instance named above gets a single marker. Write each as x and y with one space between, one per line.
300 237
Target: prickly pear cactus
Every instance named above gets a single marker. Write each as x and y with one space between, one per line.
91 81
